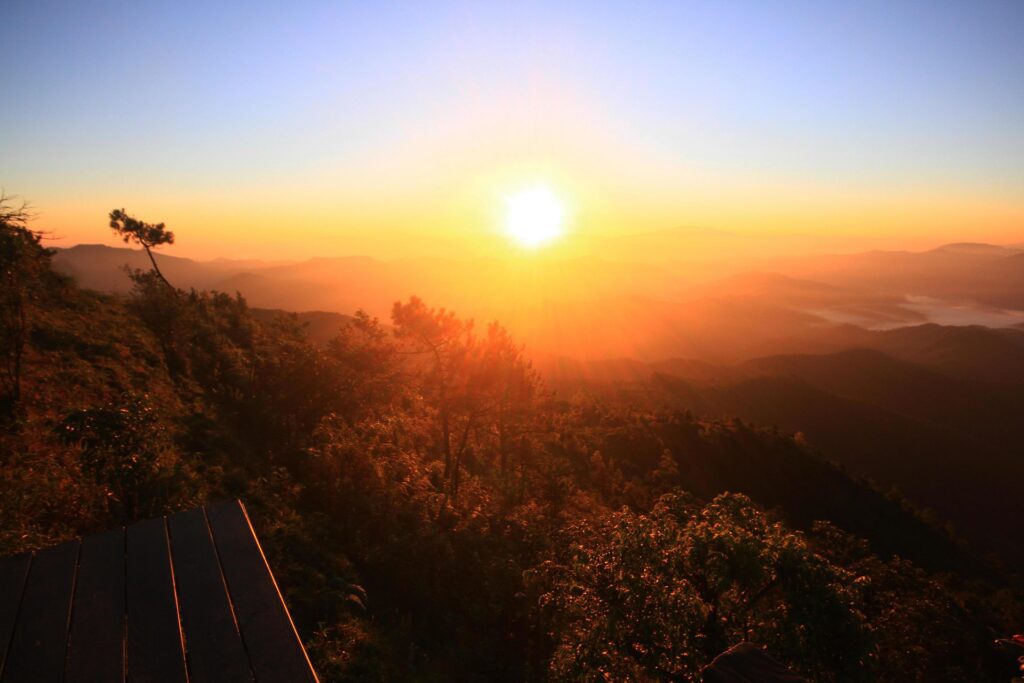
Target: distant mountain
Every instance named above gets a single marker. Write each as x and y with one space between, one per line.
975 249
973 352
99 267
473 286
835 303
984 412
949 443
600 308
966 481
980 273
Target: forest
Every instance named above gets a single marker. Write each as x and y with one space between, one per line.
435 510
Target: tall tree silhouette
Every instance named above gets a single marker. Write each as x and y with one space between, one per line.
147 235
447 342
482 387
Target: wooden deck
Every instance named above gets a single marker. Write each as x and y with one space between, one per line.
187 597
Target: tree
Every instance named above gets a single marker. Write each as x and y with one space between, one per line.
482 388
24 263
147 235
510 392
446 342
366 367
658 595
165 312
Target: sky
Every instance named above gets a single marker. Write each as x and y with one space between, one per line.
288 130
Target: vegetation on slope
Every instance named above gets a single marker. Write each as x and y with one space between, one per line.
434 513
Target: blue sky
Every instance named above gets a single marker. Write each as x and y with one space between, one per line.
649 112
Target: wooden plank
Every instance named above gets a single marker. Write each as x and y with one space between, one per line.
96 639
212 643
13 572
40 640
275 651
155 652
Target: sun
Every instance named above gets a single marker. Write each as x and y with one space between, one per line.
534 216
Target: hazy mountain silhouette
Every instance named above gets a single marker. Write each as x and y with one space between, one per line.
980 273
949 443
99 267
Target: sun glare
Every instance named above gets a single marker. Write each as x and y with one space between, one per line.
534 216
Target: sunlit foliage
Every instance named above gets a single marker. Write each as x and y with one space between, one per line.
659 595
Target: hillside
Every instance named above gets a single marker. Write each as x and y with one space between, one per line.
972 352
981 410
414 548
96 344
949 443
